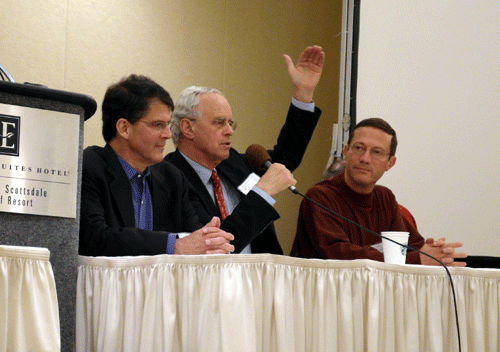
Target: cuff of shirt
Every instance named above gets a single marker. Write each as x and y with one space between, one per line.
171 243
264 195
303 106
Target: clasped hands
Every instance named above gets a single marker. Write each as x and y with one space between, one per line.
443 251
210 239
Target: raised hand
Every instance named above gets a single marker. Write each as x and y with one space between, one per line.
306 73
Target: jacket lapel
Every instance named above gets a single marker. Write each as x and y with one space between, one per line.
234 169
195 182
120 188
159 193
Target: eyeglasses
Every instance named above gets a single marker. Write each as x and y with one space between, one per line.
361 149
220 122
157 126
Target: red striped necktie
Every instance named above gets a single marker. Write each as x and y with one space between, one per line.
219 196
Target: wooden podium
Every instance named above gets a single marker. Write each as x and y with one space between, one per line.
41 144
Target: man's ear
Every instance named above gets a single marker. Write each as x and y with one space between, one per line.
187 128
123 128
346 148
391 163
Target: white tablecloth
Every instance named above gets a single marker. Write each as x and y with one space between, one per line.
263 302
29 315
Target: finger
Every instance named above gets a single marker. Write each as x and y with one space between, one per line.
454 244
305 55
216 232
314 55
321 60
208 230
214 222
319 57
439 243
224 248
447 260
215 251
435 243
215 241
229 248
458 264
448 250
288 61
459 255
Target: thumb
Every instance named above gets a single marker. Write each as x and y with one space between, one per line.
288 61
215 222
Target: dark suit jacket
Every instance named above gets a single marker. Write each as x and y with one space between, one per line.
251 222
107 222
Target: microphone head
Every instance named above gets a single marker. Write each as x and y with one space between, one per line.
257 155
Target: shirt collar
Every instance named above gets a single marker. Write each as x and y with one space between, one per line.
202 171
129 170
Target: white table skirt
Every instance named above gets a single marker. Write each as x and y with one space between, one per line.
263 302
29 314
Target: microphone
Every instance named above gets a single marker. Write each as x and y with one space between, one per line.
403 245
259 158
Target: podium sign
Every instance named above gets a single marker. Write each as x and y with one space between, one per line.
38 161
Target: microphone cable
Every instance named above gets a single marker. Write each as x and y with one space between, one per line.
259 158
295 191
5 75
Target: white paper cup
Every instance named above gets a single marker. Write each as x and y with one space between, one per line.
394 253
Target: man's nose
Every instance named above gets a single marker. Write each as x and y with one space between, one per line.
167 133
229 130
366 156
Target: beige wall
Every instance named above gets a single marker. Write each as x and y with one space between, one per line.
437 78
236 46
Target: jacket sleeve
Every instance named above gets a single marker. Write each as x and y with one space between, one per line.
294 137
103 231
249 218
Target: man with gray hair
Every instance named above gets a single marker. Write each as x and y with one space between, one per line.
220 179
127 207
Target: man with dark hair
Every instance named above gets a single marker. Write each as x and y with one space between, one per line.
220 178
129 99
128 208
369 153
